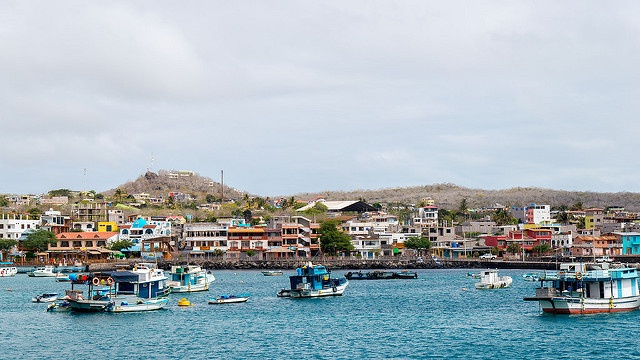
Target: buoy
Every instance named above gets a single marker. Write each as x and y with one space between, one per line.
184 302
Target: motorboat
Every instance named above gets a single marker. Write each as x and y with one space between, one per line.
44 271
230 299
489 279
579 288
46 297
313 281
531 277
272 273
8 270
189 278
60 277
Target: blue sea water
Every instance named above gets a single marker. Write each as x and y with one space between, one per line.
439 315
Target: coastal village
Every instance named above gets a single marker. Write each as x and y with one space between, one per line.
88 232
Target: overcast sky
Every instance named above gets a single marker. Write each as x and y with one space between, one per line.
305 96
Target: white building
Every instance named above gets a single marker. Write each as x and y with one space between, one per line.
13 226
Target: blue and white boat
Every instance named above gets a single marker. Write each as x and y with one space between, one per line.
142 289
230 299
189 278
314 281
579 288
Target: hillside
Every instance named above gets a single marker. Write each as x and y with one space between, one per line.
447 196
164 182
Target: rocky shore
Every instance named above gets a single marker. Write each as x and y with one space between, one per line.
337 264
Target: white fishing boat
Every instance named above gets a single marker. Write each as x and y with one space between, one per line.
189 278
45 271
8 271
579 288
45 298
142 289
272 273
230 299
61 277
489 279
314 281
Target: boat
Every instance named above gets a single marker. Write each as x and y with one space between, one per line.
381 275
272 273
6 271
531 277
141 289
473 275
45 271
230 299
60 277
489 279
580 288
46 297
313 281
189 278
406 274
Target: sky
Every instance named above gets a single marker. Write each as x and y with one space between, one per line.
288 97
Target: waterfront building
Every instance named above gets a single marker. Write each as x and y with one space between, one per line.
81 246
13 226
55 222
629 241
585 245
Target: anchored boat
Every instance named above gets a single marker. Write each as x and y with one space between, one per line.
579 288
189 278
313 281
489 279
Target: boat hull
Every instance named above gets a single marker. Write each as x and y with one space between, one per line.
189 288
310 293
228 301
575 305
148 305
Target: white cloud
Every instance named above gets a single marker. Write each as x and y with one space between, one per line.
365 94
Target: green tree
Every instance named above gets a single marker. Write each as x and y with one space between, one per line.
61 192
120 244
218 252
332 240
577 206
119 193
513 248
35 212
418 243
449 217
6 245
317 208
503 217
562 217
541 249
39 240
250 253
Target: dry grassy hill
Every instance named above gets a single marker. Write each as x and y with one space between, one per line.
447 196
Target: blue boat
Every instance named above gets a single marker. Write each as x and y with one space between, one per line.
313 281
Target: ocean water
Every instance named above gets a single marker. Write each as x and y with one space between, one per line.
440 315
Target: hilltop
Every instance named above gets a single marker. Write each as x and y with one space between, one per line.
187 182
447 196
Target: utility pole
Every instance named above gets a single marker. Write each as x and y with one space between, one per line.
222 185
